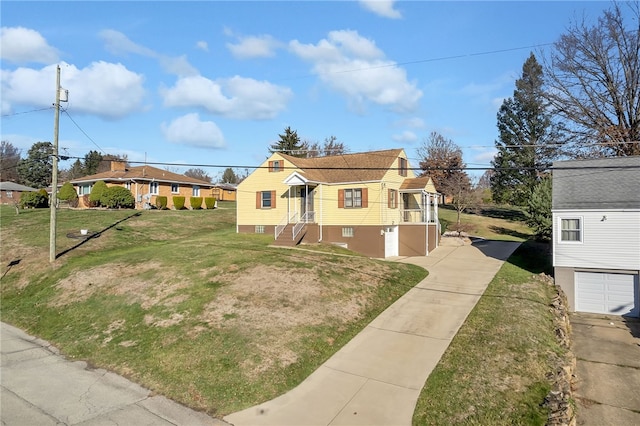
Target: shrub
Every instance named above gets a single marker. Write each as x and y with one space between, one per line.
161 202
117 197
34 199
210 202
69 194
195 202
96 192
178 202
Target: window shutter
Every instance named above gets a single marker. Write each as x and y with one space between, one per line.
389 195
341 198
273 199
365 198
258 200
270 166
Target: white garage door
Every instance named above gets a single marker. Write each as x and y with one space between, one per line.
615 294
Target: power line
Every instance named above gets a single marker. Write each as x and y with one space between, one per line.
26 112
83 132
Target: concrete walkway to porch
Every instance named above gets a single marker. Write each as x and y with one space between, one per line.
376 378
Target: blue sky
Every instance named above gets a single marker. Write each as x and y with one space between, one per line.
214 83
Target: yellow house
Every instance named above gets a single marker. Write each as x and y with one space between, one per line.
369 202
146 183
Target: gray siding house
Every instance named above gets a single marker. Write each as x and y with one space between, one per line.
596 234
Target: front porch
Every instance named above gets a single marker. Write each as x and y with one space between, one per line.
300 213
418 206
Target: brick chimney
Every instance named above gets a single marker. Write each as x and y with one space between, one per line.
118 166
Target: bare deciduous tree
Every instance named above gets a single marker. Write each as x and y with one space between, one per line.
441 160
593 83
331 146
198 174
9 158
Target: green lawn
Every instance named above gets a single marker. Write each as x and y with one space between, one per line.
181 303
504 224
494 372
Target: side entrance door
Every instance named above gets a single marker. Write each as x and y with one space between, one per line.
390 241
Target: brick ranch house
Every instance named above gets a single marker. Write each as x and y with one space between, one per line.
146 183
369 202
10 192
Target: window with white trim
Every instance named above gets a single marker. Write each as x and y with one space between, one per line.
84 189
9 194
571 230
127 185
347 231
153 188
259 229
175 188
196 191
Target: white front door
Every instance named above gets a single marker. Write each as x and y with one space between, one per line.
390 241
603 293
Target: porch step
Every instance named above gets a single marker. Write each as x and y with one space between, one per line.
285 239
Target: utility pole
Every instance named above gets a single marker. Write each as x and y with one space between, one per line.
54 178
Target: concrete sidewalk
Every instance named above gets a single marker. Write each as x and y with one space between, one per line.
377 377
39 387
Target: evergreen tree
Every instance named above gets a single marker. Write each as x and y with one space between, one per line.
289 143
538 214
76 170
36 169
526 134
92 162
229 176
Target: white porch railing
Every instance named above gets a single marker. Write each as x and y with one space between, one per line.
308 217
283 224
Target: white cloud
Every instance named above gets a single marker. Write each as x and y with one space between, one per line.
405 137
190 130
202 45
354 67
263 46
21 45
484 157
383 8
104 89
236 97
119 44
413 122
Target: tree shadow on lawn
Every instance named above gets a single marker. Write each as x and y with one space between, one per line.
533 256
511 214
505 231
94 235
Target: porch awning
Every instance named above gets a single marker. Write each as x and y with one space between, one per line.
298 179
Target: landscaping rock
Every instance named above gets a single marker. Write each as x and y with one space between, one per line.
559 400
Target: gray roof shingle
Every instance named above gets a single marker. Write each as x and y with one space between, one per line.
603 183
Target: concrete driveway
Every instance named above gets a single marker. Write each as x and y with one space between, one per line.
607 386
